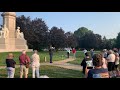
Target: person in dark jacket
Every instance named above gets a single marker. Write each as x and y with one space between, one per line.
51 53
10 65
85 64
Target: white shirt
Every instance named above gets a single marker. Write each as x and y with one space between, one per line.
111 58
68 49
117 61
35 60
84 51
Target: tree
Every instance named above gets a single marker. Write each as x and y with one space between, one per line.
57 37
91 40
118 41
81 32
35 31
70 40
79 35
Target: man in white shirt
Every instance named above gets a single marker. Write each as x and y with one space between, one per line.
111 63
84 51
68 52
35 64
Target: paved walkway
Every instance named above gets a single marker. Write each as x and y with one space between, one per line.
64 64
61 63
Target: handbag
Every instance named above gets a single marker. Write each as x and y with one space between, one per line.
27 64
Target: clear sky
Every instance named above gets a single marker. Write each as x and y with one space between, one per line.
103 23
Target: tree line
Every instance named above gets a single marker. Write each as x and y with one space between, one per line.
39 36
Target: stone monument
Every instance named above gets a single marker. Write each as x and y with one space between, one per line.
11 39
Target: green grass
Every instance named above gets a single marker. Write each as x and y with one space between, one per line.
56 56
50 71
79 57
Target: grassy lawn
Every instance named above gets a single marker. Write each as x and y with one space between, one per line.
50 71
79 58
56 56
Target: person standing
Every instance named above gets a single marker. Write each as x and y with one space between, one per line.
104 61
35 63
117 58
87 64
98 71
10 65
74 52
119 52
51 53
92 52
84 51
24 64
105 53
68 52
111 63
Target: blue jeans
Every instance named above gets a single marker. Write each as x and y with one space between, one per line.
11 72
35 72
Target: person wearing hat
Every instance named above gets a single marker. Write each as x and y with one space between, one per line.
10 65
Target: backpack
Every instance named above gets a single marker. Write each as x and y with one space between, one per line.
89 63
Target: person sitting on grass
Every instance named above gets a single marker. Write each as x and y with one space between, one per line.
98 71
10 65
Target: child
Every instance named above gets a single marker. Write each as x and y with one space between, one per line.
10 65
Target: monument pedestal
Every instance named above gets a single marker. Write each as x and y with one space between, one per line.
9 40
13 44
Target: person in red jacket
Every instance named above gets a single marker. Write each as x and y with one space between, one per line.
74 52
24 59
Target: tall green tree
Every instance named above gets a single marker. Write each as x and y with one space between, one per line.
81 32
57 37
118 41
70 40
35 31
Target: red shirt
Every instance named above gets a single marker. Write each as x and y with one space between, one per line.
23 58
73 51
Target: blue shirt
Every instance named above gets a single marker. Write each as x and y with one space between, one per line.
98 73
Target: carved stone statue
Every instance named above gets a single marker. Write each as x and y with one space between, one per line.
4 33
19 34
1 33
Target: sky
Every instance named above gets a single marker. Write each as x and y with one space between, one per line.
103 23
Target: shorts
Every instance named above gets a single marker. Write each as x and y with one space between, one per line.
111 66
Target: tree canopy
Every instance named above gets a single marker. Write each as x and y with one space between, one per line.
39 36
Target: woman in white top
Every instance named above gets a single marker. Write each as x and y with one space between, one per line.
35 64
117 63
111 63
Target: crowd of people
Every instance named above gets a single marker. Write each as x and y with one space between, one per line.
95 65
101 65
24 61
